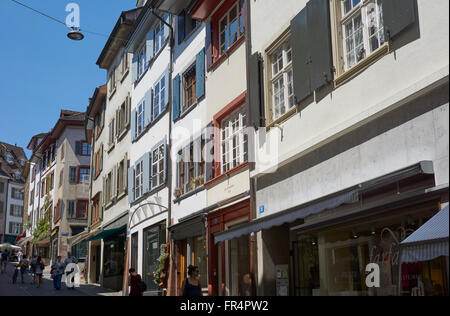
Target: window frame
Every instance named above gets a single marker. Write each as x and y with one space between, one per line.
160 171
88 149
139 185
191 71
140 113
159 97
238 116
79 174
240 30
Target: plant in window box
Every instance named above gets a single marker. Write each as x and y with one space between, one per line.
178 192
161 274
197 182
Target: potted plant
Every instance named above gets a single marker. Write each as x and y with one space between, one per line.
161 274
178 192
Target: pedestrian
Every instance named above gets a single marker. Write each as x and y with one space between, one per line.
39 271
191 286
57 272
23 265
136 284
4 260
70 259
19 256
33 270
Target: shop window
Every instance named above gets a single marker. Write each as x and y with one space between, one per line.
113 262
154 238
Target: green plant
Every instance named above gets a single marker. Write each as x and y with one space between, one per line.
161 274
27 225
43 228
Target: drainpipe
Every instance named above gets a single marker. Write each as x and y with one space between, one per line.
88 247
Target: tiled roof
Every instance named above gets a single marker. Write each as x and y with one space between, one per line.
15 154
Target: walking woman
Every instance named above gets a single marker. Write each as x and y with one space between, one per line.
135 283
39 271
192 286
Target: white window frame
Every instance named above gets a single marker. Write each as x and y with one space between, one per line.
283 74
224 46
158 171
139 180
142 61
228 160
160 39
140 115
361 9
16 228
159 96
112 80
112 134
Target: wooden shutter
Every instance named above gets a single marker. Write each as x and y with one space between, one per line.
255 90
200 75
127 111
131 185
181 25
148 108
117 125
101 207
397 16
176 98
301 56
125 174
319 34
115 182
101 157
104 192
149 46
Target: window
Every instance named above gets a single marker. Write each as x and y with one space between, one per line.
154 240
186 25
191 167
84 175
125 64
142 64
16 194
140 119
122 117
71 208
362 29
16 210
32 197
85 149
52 180
160 39
189 88
111 133
1 207
15 228
230 28
96 210
282 80
18 175
159 97
43 188
82 209
158 166
73 175
139 180
233 141
112 80
61 177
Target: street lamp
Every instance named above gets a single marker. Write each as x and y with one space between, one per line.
75 34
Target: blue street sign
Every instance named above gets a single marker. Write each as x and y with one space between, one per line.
261 209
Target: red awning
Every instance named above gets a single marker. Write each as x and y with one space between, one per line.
203 9
20 237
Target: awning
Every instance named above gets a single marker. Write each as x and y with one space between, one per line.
286 217
430 241
107 233
189 228
25 240
43 243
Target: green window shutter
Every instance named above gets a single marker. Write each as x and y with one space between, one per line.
255 90
176 98
200 75
319 31
301 56
397 16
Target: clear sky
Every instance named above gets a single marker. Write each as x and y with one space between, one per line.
41 70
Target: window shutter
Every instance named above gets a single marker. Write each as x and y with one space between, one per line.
166 94
397 16
208 46
134 68
181 25
101 158
114 181
301 55
200 75
100 206
130 185
149 49
104 192
209 153
146 169
125 174
319 27
186 167
117 123
133 125
148 108
127 111
256 90
90 214
176 98
77 148
166 158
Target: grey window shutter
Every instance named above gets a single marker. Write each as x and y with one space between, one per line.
104 191
77 148
255 90
149 46
131 185
397 16
209 153
166 93
134 69
181 24
319 28
166 161
133 125
208 46
117 123
125 174
187 158
101 158
100 204
166 28
301 56
146 169
200 75
115 182
148 108
176 98
127 111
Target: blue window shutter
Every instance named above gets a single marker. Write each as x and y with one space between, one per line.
166 28
146 168
208 46
200 73
134 68
181 25
166 93
149 49
133 125
148 107
130 185
176 98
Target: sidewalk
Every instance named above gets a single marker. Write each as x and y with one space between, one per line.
7 288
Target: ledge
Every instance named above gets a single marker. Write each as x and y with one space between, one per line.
230 173
189 194
227 54
283 118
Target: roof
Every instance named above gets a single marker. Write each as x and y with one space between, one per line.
9 168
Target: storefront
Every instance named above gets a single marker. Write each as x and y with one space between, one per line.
189 248
229 262
154 239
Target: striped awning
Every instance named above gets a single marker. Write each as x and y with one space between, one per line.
430 241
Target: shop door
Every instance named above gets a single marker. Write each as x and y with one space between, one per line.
154 237
98 254
239 267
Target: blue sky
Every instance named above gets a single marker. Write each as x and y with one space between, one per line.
41 70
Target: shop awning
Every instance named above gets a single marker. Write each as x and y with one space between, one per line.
287 217
43 243
190 228
430 241
107 233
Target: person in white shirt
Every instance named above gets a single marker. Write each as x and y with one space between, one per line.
70 259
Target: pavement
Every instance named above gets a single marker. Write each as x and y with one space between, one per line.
7 288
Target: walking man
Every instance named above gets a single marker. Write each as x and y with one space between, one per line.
4 260
57 272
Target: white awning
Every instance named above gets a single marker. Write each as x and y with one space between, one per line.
430 241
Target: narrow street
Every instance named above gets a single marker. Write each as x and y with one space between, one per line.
7 288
